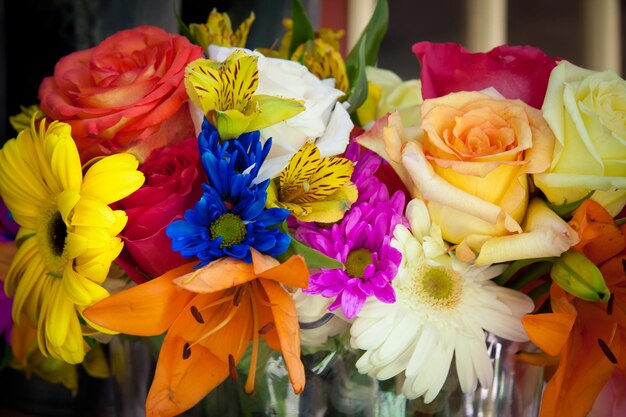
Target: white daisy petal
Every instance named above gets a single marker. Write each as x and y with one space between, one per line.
425 344
482 363
395 366
464 365
440 377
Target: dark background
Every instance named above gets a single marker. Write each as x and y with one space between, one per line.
34 34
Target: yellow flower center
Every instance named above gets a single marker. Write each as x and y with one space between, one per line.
357 261
438 286
53 232
230 228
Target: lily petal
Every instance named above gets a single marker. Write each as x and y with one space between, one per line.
219 275
292 272
549 331
145 310
179 383
286 322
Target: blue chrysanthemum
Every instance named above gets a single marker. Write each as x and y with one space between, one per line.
243 155
230 218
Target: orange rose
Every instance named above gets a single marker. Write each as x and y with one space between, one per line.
127 93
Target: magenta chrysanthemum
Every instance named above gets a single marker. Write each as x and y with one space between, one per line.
362 243
366 163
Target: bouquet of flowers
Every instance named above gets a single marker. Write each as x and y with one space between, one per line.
242 201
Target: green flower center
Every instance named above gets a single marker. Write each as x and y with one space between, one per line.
357 261
230 228
439 286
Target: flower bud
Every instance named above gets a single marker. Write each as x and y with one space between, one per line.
577 275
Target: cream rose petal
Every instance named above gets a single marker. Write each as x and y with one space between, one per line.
546 234
386 139
433 187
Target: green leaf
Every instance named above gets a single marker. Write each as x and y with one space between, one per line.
358 86
312 257
516 266
566 210
302 29
184 29
621 221
536 271
370 40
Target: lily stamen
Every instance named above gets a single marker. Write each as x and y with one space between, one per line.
186 351
238 294
232 368
607 351
249 387
267 328
609 305
196 314
217 328
216 302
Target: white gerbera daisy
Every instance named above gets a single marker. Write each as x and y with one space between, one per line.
442 310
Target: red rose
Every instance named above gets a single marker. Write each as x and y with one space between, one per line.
127 93
173 185
517 72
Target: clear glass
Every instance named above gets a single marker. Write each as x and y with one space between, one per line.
334 388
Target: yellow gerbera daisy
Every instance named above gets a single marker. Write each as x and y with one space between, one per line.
67 237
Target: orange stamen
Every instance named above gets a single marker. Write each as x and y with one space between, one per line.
232 368
249 387
267 328
238 294
216 302
217 328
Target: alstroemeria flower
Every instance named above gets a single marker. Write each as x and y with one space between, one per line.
210 315
323 61
226 93
218 30
312 188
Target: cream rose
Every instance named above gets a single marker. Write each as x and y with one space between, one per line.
324 120
587 113
469 161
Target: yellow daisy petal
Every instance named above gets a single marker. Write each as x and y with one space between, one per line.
68 234
112 178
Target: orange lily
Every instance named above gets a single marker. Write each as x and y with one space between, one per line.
212 313
586 339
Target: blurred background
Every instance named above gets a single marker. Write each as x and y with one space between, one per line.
34 34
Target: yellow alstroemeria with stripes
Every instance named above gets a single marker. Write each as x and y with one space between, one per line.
218 30
68 233
226 94
324 61
312 188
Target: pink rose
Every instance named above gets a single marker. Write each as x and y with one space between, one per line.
173 185
127 93
517 72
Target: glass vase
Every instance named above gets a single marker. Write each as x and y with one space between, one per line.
334 388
